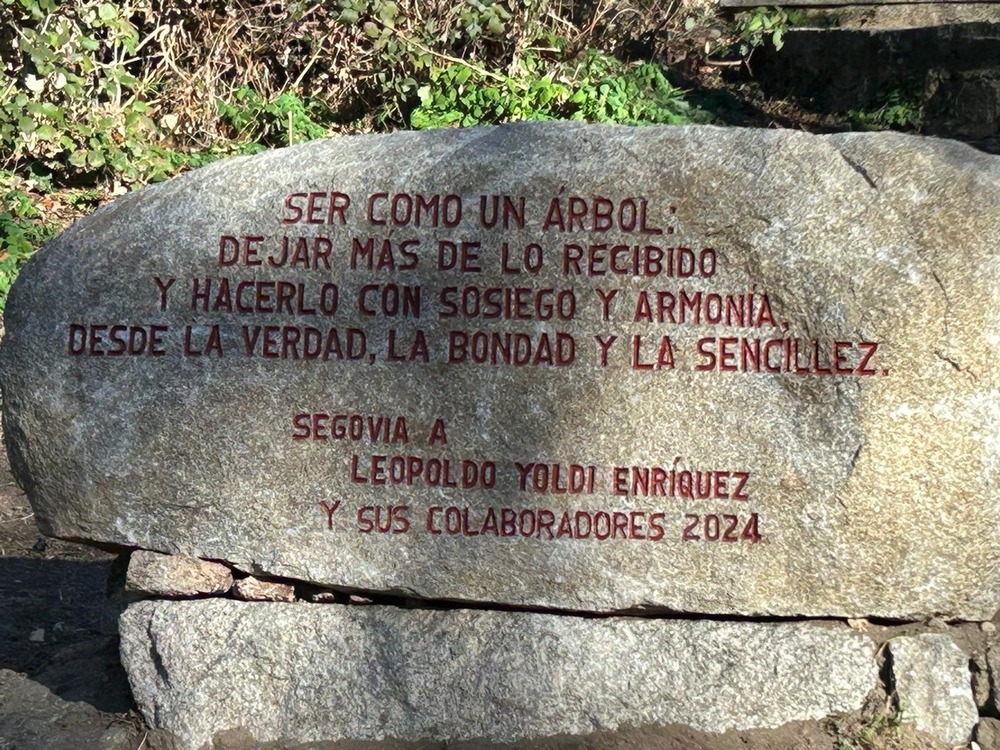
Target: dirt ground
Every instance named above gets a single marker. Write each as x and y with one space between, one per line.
61 683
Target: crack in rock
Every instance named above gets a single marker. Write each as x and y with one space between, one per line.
859 169
155 656
941 355
947 302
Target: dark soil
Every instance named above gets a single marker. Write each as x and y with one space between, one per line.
941 81
59 631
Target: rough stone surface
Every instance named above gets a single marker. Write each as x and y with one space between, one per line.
932 682
309 672
252 589
871 492
987 734
980 679
175 575
993 664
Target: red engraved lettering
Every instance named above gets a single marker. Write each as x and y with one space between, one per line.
438 435
741 481
868 348
490 524
729 535
635 527
604 344
656 529
546 519
314 214
329 509
565 526
554 217
577 213
572 257
432 513
711 528
720 488
602 525
606 295
705 350
621 521
300 422
355 476
294 213
523 470
508 522
77 339
657 479
95 340
162 286
526 522
841 357
620 480
372 200
400 520
366 521
689 535
603 214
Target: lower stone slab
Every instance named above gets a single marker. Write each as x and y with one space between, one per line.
310 672
934 686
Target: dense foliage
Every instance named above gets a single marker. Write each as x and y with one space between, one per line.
99 97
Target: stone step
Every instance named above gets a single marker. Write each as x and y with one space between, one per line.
318 672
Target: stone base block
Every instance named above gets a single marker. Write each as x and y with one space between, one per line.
313 672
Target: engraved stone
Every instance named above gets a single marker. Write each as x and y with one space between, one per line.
933 686
556 365
329 672
175 575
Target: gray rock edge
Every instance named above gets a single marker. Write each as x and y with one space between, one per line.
305 672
